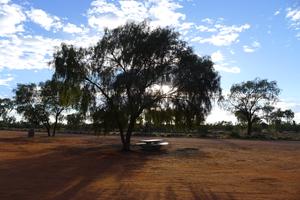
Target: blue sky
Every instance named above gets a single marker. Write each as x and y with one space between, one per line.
246 39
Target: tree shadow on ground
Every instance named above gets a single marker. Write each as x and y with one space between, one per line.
66 172
197 193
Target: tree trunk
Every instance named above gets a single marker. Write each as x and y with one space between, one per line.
249 130
48 131
31 132
55 123
54 127
121 131
122 137
126 143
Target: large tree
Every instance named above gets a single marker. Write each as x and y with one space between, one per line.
248 100
125 73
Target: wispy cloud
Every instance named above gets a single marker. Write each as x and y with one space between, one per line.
44 19
251 48
5 81
11 18
111 14
220 64
72 28
26 52
217 56
222 35
277 12
293 15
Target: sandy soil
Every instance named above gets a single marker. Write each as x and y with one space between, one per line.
90 167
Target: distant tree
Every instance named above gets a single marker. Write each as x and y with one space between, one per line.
75 120
247 100
267 111
122 75
26 104
289 115
53 105
278 115
38 103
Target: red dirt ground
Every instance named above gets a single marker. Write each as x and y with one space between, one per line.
89 167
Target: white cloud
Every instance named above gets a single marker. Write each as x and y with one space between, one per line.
112 14
44 19
34 52
218 58
223 35
11 18
84 40
248 49
252 48
256 44
203 28
208 20
26 52
293 14
163 13
277 12
5 81
4 1
225 68
72 28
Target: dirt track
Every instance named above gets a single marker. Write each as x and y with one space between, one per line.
87 167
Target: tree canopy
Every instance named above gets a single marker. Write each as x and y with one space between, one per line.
6 105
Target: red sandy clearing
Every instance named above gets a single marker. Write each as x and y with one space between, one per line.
89 167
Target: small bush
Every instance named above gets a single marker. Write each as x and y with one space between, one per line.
235 134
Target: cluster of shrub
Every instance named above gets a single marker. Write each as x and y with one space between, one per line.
75 124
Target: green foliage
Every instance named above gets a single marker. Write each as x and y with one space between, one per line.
6 105
197 83
75 121
235 134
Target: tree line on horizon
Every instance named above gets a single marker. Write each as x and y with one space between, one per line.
137 76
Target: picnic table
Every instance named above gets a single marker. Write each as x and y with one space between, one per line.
152 144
